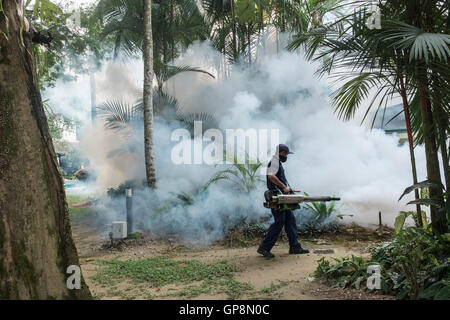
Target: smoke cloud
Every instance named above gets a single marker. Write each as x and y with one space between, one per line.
367 169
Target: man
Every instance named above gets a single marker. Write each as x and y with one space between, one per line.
277 179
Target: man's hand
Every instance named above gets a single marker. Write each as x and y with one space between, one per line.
286 190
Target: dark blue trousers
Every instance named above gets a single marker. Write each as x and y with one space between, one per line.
284 219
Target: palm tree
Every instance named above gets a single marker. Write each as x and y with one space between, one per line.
234 26
383 59
119 114
130 21
148 95
176 24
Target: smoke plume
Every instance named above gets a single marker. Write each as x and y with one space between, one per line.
366 168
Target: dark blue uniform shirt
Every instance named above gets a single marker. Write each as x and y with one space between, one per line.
280 175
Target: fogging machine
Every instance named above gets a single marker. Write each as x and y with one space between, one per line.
275 199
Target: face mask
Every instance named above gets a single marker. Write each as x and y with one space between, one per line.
283 158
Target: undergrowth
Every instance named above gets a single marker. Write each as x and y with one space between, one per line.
414 265
195 278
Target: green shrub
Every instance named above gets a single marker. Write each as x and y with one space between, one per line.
346 272
415 264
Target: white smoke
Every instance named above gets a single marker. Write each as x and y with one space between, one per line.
367 169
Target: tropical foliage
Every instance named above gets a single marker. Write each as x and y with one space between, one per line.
407 57
243 176
414 265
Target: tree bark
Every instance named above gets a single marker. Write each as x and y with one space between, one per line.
442 125
411 147
148 95
233 21
36 245
249 44
442 122
438 220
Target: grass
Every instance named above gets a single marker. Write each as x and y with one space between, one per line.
82 213
193 277
76 198
273 288
161 271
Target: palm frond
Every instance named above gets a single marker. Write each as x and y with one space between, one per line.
117 114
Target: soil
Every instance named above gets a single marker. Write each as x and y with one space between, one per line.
292 275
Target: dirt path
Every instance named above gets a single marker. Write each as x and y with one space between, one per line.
285 277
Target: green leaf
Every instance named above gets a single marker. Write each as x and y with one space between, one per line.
423 215
358 281
431 291
400 221
246 11
443 294
431 202
436 44
420 185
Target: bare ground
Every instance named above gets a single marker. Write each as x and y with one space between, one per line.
285 277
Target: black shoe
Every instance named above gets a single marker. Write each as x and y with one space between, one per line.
298 250
265 253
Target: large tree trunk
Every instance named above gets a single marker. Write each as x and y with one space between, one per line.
438 219
36 245
148 95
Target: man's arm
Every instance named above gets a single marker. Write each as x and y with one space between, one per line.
274 179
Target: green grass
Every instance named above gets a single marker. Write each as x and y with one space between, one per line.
83 211
80 213
195 277
235 289
161 271
76 198
273 288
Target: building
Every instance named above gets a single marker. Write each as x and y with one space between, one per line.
392 121
69 129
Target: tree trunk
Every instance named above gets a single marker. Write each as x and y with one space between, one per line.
438 220
249 44
172 28
276 24
233 19
442 124
36 245
411 147
93 95
148 95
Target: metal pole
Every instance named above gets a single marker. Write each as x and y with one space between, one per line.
379 219
129 206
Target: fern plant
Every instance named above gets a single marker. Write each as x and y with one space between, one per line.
322 210
244 176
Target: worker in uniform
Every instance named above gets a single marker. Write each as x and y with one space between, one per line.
285 218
